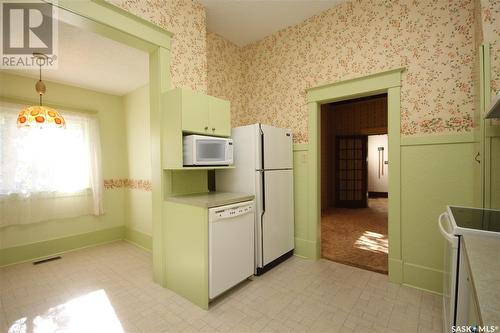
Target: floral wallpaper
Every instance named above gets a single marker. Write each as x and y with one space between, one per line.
266 81
434 40
225 78
476 75
491 34
134 184
495 67
187 21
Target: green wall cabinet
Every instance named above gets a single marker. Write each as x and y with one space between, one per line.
194 111
202 114
219 116
190 112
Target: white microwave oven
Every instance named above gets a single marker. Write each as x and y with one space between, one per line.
200 150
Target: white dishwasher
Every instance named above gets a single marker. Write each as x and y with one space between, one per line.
231 246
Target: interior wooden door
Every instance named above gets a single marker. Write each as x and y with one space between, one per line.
351 171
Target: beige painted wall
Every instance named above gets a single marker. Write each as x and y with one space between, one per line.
139 204
114 158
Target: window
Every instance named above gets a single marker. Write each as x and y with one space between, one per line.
48 173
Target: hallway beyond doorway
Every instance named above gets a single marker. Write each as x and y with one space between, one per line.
357 237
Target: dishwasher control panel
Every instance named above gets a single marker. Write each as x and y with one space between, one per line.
230 211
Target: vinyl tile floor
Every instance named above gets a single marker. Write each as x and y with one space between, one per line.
109 288
357 237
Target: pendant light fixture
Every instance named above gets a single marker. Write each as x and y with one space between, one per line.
38 115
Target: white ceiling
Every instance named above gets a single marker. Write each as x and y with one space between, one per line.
88 60
246 21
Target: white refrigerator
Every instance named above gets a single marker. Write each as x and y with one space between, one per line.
263 163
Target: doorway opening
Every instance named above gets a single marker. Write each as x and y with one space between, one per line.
354 182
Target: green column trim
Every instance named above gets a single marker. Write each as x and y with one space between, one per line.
358 87
111 21
481 132
385 82
488 130
394 216
314 179
304 246
40 250
159 82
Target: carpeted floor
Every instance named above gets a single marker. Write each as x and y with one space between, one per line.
357 237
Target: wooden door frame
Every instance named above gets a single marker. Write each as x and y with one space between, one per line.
385 82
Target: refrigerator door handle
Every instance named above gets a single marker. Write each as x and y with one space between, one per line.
260 223
261 147
263 192
262 237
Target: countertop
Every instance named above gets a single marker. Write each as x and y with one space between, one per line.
210 199
483 253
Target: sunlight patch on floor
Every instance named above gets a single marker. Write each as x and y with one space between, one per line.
372 241
92 312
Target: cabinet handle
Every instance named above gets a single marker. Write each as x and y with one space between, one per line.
206 128
213 128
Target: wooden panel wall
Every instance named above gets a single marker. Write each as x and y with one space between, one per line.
363 116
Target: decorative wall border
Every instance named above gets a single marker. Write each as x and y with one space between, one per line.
134 184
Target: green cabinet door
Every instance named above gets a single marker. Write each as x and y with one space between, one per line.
219 116
194 112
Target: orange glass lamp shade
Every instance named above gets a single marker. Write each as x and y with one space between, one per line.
40 116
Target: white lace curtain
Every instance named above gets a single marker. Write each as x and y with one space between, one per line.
48 174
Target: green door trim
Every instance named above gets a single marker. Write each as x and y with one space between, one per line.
112 22
438 139
385 82
487 131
